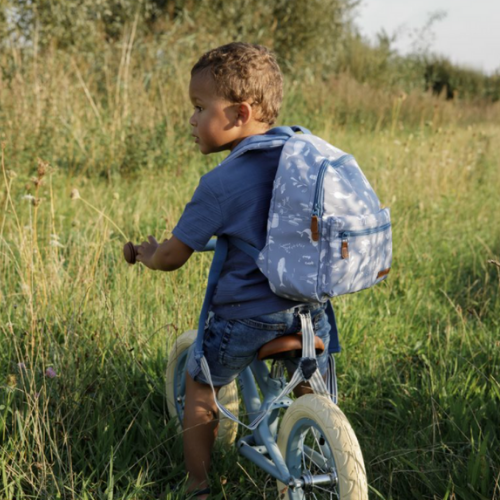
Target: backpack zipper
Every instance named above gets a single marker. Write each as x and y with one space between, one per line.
344 235
318 194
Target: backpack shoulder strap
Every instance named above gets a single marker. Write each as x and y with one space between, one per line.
274 138
289 131
257 142
213 278
245 247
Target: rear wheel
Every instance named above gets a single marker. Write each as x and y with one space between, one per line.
175 388
321 450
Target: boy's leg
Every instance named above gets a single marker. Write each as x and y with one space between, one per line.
200 426
302 388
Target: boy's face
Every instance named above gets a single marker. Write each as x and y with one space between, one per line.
213 118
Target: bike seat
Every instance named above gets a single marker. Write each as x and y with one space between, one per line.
288 346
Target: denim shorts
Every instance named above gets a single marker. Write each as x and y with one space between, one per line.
230 345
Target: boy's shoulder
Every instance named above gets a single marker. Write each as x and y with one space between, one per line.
240 171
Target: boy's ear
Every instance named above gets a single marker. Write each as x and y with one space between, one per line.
245 113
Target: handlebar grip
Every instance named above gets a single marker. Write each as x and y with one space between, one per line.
130 253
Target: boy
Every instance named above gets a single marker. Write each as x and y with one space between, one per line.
236 91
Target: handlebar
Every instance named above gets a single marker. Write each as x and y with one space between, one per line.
130 250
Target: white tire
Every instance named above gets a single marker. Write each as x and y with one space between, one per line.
315 437
176 366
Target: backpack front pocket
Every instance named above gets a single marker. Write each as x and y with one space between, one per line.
357 253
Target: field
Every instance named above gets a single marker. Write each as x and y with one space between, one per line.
84 336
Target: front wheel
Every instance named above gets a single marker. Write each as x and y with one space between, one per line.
321 450
175 388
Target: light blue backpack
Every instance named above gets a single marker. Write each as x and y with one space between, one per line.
327 234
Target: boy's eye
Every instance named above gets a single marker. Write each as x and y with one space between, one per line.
198 108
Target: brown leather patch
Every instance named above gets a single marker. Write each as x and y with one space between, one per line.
345 249
383 273
314 228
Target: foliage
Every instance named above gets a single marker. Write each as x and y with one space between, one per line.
380 65
291 27
75 25
443 77
125 109
311 38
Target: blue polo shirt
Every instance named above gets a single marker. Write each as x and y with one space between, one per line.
233 199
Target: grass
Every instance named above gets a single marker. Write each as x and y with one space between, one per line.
419 373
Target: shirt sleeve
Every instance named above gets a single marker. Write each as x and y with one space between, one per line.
201 219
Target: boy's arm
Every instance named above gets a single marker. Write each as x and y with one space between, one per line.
166 256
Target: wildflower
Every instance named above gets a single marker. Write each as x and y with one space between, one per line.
36 201
28 197
21 366
37 182
74 195
11 174
50 372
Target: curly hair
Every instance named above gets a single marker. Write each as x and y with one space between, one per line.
246 72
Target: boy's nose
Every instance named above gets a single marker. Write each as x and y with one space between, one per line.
192 121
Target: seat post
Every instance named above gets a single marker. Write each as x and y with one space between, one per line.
277 369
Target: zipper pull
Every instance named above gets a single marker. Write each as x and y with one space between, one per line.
345 248
314 228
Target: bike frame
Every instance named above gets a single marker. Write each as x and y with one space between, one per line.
262 440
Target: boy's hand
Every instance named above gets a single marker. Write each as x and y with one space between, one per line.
167 256
146 251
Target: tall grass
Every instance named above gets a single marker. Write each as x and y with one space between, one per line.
125 108
84 336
